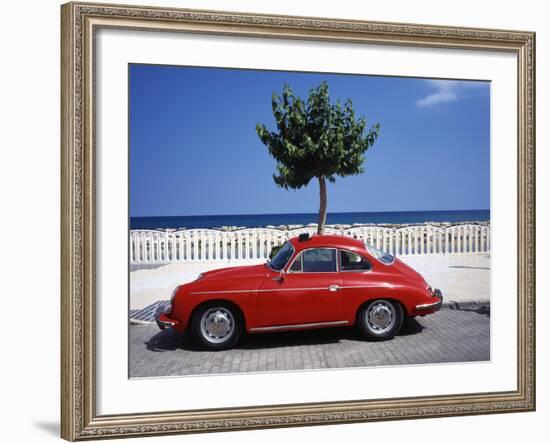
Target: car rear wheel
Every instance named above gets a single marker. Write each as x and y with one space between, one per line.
380 319
217 326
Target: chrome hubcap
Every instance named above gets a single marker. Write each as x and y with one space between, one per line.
217 324
380 316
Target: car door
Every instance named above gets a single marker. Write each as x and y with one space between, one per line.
308 292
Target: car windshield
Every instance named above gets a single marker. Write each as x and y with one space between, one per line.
384 257
282 257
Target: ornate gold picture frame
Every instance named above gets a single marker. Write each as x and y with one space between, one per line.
80 22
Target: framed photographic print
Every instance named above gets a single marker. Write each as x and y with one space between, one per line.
282 221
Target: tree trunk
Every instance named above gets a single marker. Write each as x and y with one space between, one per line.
322 205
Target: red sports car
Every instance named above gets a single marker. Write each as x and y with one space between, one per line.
312 282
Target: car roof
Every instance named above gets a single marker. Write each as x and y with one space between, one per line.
331 241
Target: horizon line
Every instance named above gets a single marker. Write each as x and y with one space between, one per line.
313 213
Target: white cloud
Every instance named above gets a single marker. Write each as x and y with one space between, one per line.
437 98
446 91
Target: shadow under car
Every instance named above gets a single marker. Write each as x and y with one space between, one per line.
169 340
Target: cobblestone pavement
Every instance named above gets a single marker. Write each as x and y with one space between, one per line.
447 336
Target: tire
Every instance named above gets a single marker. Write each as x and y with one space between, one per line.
217 326
380 319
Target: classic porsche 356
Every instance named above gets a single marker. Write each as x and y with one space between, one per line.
312 282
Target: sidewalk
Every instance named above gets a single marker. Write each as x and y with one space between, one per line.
448 336
461 278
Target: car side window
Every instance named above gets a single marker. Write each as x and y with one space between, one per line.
296 264
349 261
318 260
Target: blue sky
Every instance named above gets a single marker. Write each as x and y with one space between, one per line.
194 148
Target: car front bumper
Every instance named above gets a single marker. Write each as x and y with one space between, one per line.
163 319
431 306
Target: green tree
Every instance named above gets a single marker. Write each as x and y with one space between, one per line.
316 139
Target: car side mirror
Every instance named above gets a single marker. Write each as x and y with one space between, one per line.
279 277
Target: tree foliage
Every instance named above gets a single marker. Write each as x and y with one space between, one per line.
315 139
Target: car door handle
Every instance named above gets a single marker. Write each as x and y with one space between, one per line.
334 288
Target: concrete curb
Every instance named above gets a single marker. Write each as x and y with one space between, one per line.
134 321
473 305
479 305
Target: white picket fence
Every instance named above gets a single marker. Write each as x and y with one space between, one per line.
199 245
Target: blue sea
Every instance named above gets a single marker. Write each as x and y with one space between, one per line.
348 218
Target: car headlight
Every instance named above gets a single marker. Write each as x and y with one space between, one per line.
173 295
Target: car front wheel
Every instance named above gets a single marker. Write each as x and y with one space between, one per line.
217 326
380 319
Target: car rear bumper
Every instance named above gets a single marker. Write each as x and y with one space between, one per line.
431 306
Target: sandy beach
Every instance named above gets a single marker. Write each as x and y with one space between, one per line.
461 278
